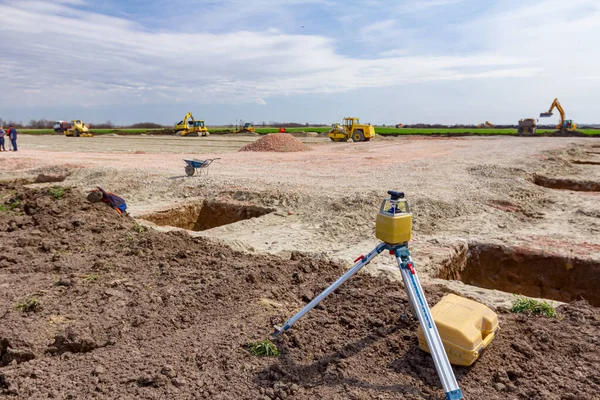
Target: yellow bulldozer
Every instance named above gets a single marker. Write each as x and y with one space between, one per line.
565 125
351 128
78 129
188 126
246 128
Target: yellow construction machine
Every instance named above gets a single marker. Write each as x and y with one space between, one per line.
527 126
191 127
246 128
564 124
78 129
486 124
351 128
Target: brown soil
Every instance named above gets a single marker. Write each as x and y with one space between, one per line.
568 184
277 142
125 314
43 178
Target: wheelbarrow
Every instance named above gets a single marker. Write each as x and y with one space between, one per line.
202 165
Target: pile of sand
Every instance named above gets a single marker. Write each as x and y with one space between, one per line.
279 142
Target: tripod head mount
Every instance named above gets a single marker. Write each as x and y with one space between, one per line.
395 195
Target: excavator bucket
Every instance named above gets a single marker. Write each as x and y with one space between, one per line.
546 114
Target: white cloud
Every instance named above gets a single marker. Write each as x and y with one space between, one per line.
411 7
55 52
378 27
394 53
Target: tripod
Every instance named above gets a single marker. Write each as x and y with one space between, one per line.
417 301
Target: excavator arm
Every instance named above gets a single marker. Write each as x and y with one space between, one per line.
183 124
561 111
188 116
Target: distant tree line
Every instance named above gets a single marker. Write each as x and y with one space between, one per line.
469 126
49 124
275 123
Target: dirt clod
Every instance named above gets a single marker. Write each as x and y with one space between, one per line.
72 340
44 178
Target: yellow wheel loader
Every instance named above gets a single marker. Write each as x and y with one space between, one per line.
78 129
188 126
247 128
351 128
565 125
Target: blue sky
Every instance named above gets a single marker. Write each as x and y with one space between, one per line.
432 61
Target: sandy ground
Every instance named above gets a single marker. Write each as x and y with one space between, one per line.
460 190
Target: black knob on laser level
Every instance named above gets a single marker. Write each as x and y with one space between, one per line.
396 195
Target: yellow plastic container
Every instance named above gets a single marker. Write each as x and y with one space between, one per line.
394 223
466 327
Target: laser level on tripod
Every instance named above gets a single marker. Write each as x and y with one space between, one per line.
394 228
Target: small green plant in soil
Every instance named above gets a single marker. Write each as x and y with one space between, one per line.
30 304
264 348
10 205
523 304
91 277
139 228
57 192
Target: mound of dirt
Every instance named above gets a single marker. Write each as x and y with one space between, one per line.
276 142
123 312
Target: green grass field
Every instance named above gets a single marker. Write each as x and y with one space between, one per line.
379 130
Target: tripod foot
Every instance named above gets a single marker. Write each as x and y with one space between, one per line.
279 330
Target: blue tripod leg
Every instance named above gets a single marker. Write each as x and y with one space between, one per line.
361 263
419 304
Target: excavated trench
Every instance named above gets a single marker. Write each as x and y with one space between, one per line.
525 271
586 162
567 184
205 215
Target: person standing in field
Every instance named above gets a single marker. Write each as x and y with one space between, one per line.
2 134
12 135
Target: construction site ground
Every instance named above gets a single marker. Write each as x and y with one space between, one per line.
161 312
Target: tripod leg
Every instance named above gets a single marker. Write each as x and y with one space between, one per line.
364 261
417 299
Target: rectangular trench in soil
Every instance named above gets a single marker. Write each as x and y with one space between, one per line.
525 271
205 215
566 184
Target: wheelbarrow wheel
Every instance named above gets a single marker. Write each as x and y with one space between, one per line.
189 170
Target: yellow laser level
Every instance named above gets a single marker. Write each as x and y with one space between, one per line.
394 220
